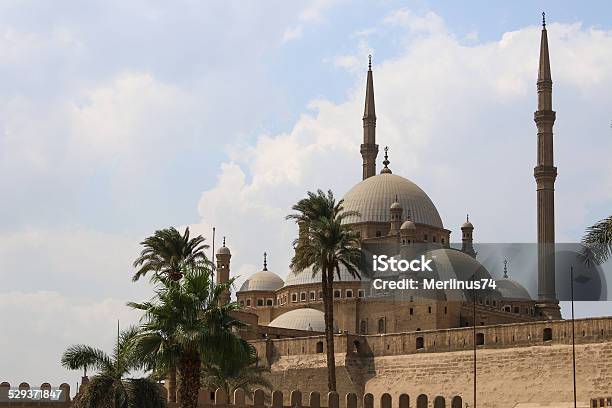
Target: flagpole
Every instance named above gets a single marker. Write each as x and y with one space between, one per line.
474 333
573 333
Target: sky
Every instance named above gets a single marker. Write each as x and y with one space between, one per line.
119 118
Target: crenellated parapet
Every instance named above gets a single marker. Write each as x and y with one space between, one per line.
43 395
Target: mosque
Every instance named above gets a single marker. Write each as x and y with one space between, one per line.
397 218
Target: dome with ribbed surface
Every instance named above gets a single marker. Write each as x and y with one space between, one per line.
302 319
264 281
373 197
511 289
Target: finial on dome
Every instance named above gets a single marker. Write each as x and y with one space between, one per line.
467 217
265 268
370 62
386 162
506 268
223 241
543 19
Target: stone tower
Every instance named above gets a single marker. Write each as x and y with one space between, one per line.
223 269
467 237
545 174
369 148
396 211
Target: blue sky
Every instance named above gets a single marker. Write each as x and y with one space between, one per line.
118 118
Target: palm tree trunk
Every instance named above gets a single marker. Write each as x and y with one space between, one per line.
171 380
189 385
328 299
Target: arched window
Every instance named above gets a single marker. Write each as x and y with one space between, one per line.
422 401
248 302
381 325
420 343
349 293
260 302
269 302
439 402
337 293
457 402
319 346
378 233
363 327
480 339
547 334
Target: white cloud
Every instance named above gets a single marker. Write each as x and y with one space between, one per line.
313 13
292 33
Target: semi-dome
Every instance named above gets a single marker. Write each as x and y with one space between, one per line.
511 289
373 197
302 319
264 281
451 264
306 277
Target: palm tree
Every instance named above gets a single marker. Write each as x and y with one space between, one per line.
325 245
598 242
167 251
236 372
186 322
109 388
164 254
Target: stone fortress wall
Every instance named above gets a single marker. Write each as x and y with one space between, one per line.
516 363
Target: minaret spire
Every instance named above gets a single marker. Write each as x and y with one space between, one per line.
545 174
369 148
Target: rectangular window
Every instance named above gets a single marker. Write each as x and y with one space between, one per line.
349 293
361 293
312 296
260 302
294 297
303 296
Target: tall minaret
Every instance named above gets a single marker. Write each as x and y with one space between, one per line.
369 148
545 174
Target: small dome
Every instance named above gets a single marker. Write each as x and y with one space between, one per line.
408 224
396 206
264 281
223 251
302 319
511 289
467 223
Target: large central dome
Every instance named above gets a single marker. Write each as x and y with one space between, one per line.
373 196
